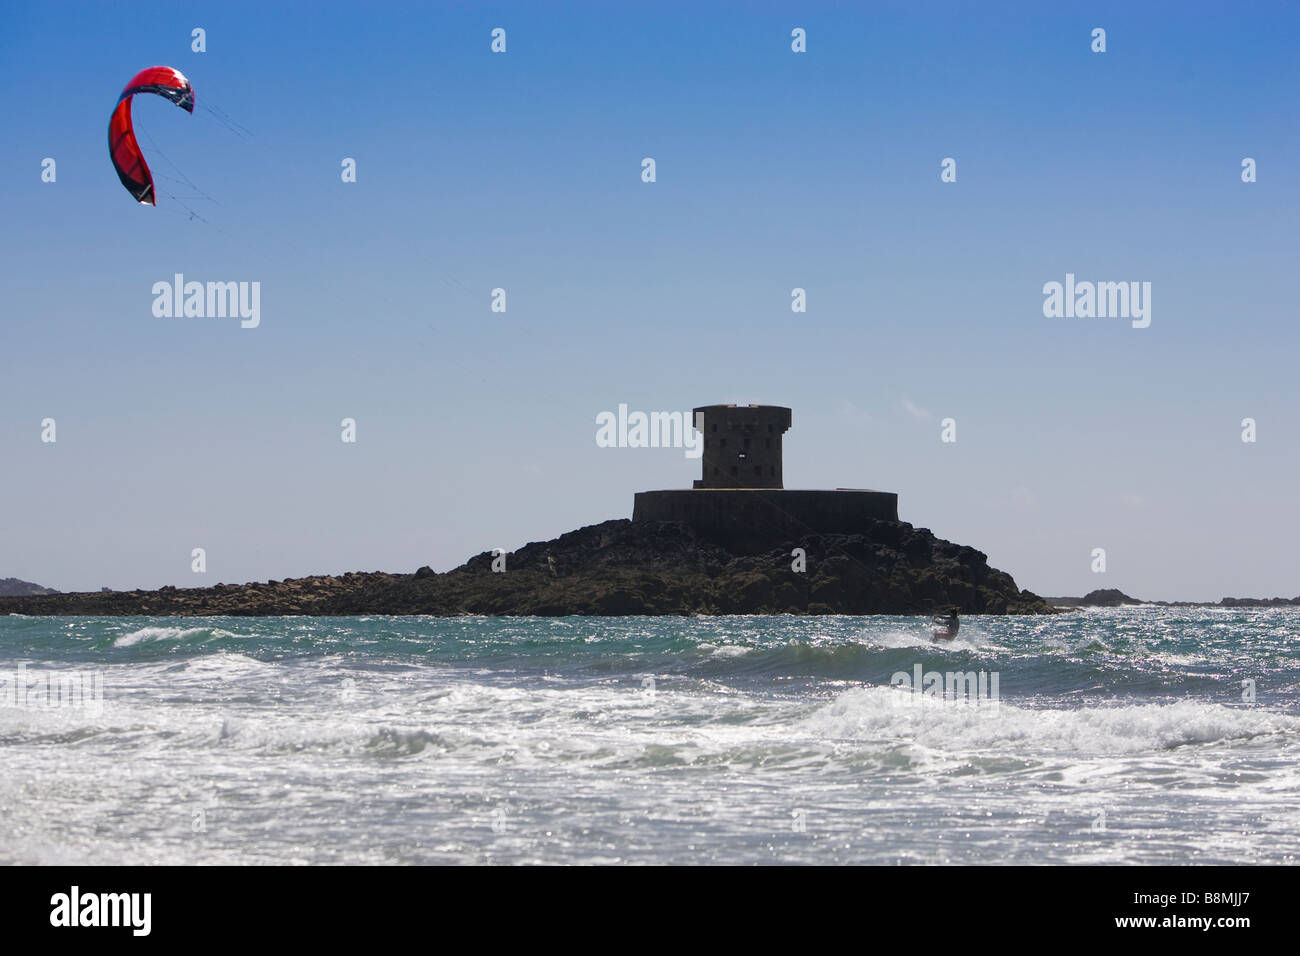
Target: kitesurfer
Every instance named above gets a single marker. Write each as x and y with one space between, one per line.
946 627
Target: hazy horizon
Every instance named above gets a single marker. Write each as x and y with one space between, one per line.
775 170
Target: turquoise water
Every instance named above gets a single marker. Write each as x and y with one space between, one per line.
1116 736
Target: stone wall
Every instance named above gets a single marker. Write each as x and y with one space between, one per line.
750 520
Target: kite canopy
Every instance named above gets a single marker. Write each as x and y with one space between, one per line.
122 146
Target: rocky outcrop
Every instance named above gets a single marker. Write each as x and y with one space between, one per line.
620 567
1102 597
1259 602
12 587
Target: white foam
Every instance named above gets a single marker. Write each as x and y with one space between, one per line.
726 650
919 638
148 634
887 713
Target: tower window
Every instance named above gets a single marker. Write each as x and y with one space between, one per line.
758 470
746 442
722 443
733 471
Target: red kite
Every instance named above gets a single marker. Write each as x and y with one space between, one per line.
122 146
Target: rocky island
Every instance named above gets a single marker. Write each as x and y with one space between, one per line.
737 542
618 567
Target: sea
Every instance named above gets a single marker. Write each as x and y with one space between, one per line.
1141 735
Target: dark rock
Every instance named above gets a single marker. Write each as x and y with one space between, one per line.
1259 602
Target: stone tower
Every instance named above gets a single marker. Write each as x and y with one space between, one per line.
742 445
741 501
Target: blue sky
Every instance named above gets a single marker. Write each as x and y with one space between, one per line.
775 170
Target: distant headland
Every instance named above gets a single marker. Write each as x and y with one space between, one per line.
12 587
1112 597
